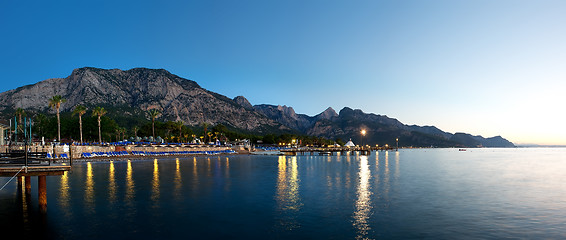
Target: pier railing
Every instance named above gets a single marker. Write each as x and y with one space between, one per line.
24 158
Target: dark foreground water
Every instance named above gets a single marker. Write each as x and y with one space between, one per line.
426 193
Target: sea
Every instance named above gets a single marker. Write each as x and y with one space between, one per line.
486 193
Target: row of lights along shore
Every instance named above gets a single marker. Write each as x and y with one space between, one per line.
363 132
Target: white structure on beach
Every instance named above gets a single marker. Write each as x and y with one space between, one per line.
349 144
3 128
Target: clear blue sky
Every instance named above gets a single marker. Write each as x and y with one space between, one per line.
483 67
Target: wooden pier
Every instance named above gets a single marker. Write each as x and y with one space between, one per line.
24 166
332 151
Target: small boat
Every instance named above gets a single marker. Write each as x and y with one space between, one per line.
462 149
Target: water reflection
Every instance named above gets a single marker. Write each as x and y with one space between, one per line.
64 193
178 181
227 168
195 176
348 182
227 178
363 202
89 188
288 198
396 165
208 169
281 180
111 183
130 193
387 163
26 200
155 183
386 176
195 167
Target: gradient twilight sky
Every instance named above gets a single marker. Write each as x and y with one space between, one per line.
482 67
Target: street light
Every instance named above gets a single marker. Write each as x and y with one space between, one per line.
363 132
397 141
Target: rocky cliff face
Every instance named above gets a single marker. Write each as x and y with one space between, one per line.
242 101
138 89
286 116
327 114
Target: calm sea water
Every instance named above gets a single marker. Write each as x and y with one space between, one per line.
424 194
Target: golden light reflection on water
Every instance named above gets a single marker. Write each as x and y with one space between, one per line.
377 162
208 168
64 192
386 178
288 198
155 183
178 180
363 202
281 178
130 193
387 162
397 165
228 182
111 183
194 166
89 188
347 177
294 186
195 181
25 200
227 168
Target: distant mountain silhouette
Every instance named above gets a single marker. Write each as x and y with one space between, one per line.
129 94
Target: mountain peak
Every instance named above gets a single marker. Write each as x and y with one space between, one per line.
242 101
287 110
327 114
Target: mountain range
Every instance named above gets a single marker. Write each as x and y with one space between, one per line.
130 94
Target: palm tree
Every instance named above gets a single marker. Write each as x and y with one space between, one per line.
117 133
123 132
99 112
120 134
80 110
55 102
153 114
179 124
40 119
136 131
205 125
19 113
209 136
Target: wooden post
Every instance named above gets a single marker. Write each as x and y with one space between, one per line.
26 151
20 182
27 180
71 155
42 193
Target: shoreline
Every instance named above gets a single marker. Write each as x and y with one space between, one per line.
141 157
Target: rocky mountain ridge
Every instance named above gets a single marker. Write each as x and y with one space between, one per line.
136 91
133 92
